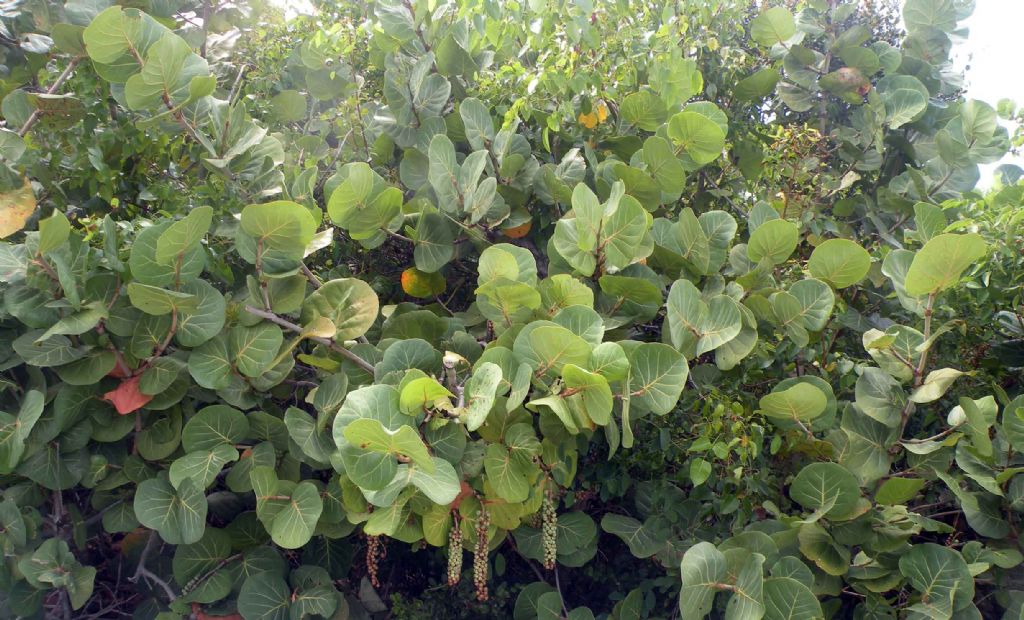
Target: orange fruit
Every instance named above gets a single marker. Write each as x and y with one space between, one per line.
421 284
518 232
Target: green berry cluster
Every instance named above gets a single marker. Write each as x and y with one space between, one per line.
549 528
455 553
483 523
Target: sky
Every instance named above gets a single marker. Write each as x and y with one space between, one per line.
991 56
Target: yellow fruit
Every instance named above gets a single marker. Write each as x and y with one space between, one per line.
421 284
588 120
602 112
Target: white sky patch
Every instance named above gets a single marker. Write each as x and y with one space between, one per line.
293 8
991 55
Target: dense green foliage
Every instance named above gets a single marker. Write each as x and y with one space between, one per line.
642 309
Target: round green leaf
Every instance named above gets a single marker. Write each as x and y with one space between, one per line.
773 241
178 515
213 426
941 262
801 402
657 376
280 225
786 598
840 262
941 576
826 487
349 303
702 570
700 137
775 25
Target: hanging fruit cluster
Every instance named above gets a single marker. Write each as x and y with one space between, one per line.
483 523
454 553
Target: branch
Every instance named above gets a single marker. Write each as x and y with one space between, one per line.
142 572
328 342
921 365
36 114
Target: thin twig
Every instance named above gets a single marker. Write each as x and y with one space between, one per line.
36 114
328 342
141 572
315 281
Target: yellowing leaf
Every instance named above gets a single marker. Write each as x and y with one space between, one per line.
16 206
588 120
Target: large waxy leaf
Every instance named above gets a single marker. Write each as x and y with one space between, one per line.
748 590
280 225
935 385
117 37
53 232
198 559
509 472
288 511
147 269
663 165
347 302
827 488
773 241
658 376
644 539
363 204
183 235
840 262
865 451
16 205
255 347
702 570
202 466
786 598
880 397
206 320
941 262
178 515
307 432
776 25
643 109
158 301
404 442
214 426
590 392
759 84
480 391
696 135
14 430
622 234
172 75
941 577
441 485
434 242
547 348
421 393
819 547
904 105
696 327
801 402
478 124
264 596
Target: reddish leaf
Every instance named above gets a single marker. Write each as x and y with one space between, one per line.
127 397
